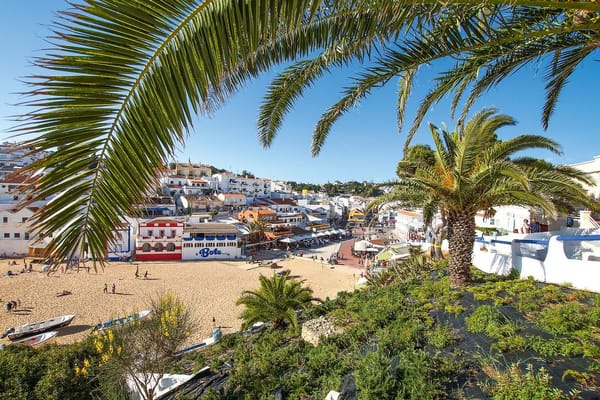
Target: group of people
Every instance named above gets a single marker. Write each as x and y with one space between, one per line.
13 305
26 267
137 274
530 227
114 288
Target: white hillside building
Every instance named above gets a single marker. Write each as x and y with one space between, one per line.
250 187
506 219
14 231
592 169
13 157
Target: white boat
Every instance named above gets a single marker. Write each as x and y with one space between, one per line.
112 323
38 327
256 327
159 384
206 342
36 339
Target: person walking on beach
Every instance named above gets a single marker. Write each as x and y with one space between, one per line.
114 288
106 288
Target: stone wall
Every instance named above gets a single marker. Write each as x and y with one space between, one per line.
314 329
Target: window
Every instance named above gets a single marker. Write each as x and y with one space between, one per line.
146 247
170 246
149 232
161 233
5 220
7 235
24 219
17 235
26 237
158 247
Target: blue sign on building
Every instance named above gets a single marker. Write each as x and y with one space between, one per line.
206 252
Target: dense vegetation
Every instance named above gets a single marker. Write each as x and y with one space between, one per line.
365 189
406 337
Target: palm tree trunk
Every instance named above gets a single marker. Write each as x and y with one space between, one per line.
461 237
436 243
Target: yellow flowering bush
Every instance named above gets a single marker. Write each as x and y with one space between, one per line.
107 346
171 310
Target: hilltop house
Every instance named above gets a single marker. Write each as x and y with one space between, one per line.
251 215
232 199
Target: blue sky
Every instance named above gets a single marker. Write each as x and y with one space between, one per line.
364 145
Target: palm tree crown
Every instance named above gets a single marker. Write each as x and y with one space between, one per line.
277 300
473 171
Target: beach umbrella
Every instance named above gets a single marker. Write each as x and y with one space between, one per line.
362 245
385 255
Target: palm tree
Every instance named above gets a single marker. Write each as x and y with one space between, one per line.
257 230
124 81
473 171
277 300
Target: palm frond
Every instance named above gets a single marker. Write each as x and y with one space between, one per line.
123 86
558 74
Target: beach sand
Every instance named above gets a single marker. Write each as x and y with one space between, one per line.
209 288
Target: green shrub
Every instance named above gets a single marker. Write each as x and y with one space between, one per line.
554 347
514 384
564 319
374 378
50 372
441 336
484 319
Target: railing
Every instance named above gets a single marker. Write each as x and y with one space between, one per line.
593 222
581 247
531 248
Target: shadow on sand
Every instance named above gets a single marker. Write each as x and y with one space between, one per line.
72 329
23 311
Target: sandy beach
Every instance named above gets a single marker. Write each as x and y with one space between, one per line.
209 288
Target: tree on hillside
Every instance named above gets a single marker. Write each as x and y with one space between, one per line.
146 348
474 171
124 80
419 154
257 230
277 300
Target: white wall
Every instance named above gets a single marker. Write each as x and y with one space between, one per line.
561 262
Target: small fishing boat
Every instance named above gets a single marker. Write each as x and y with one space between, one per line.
36 339
38 327
160 385
206 342
113 323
